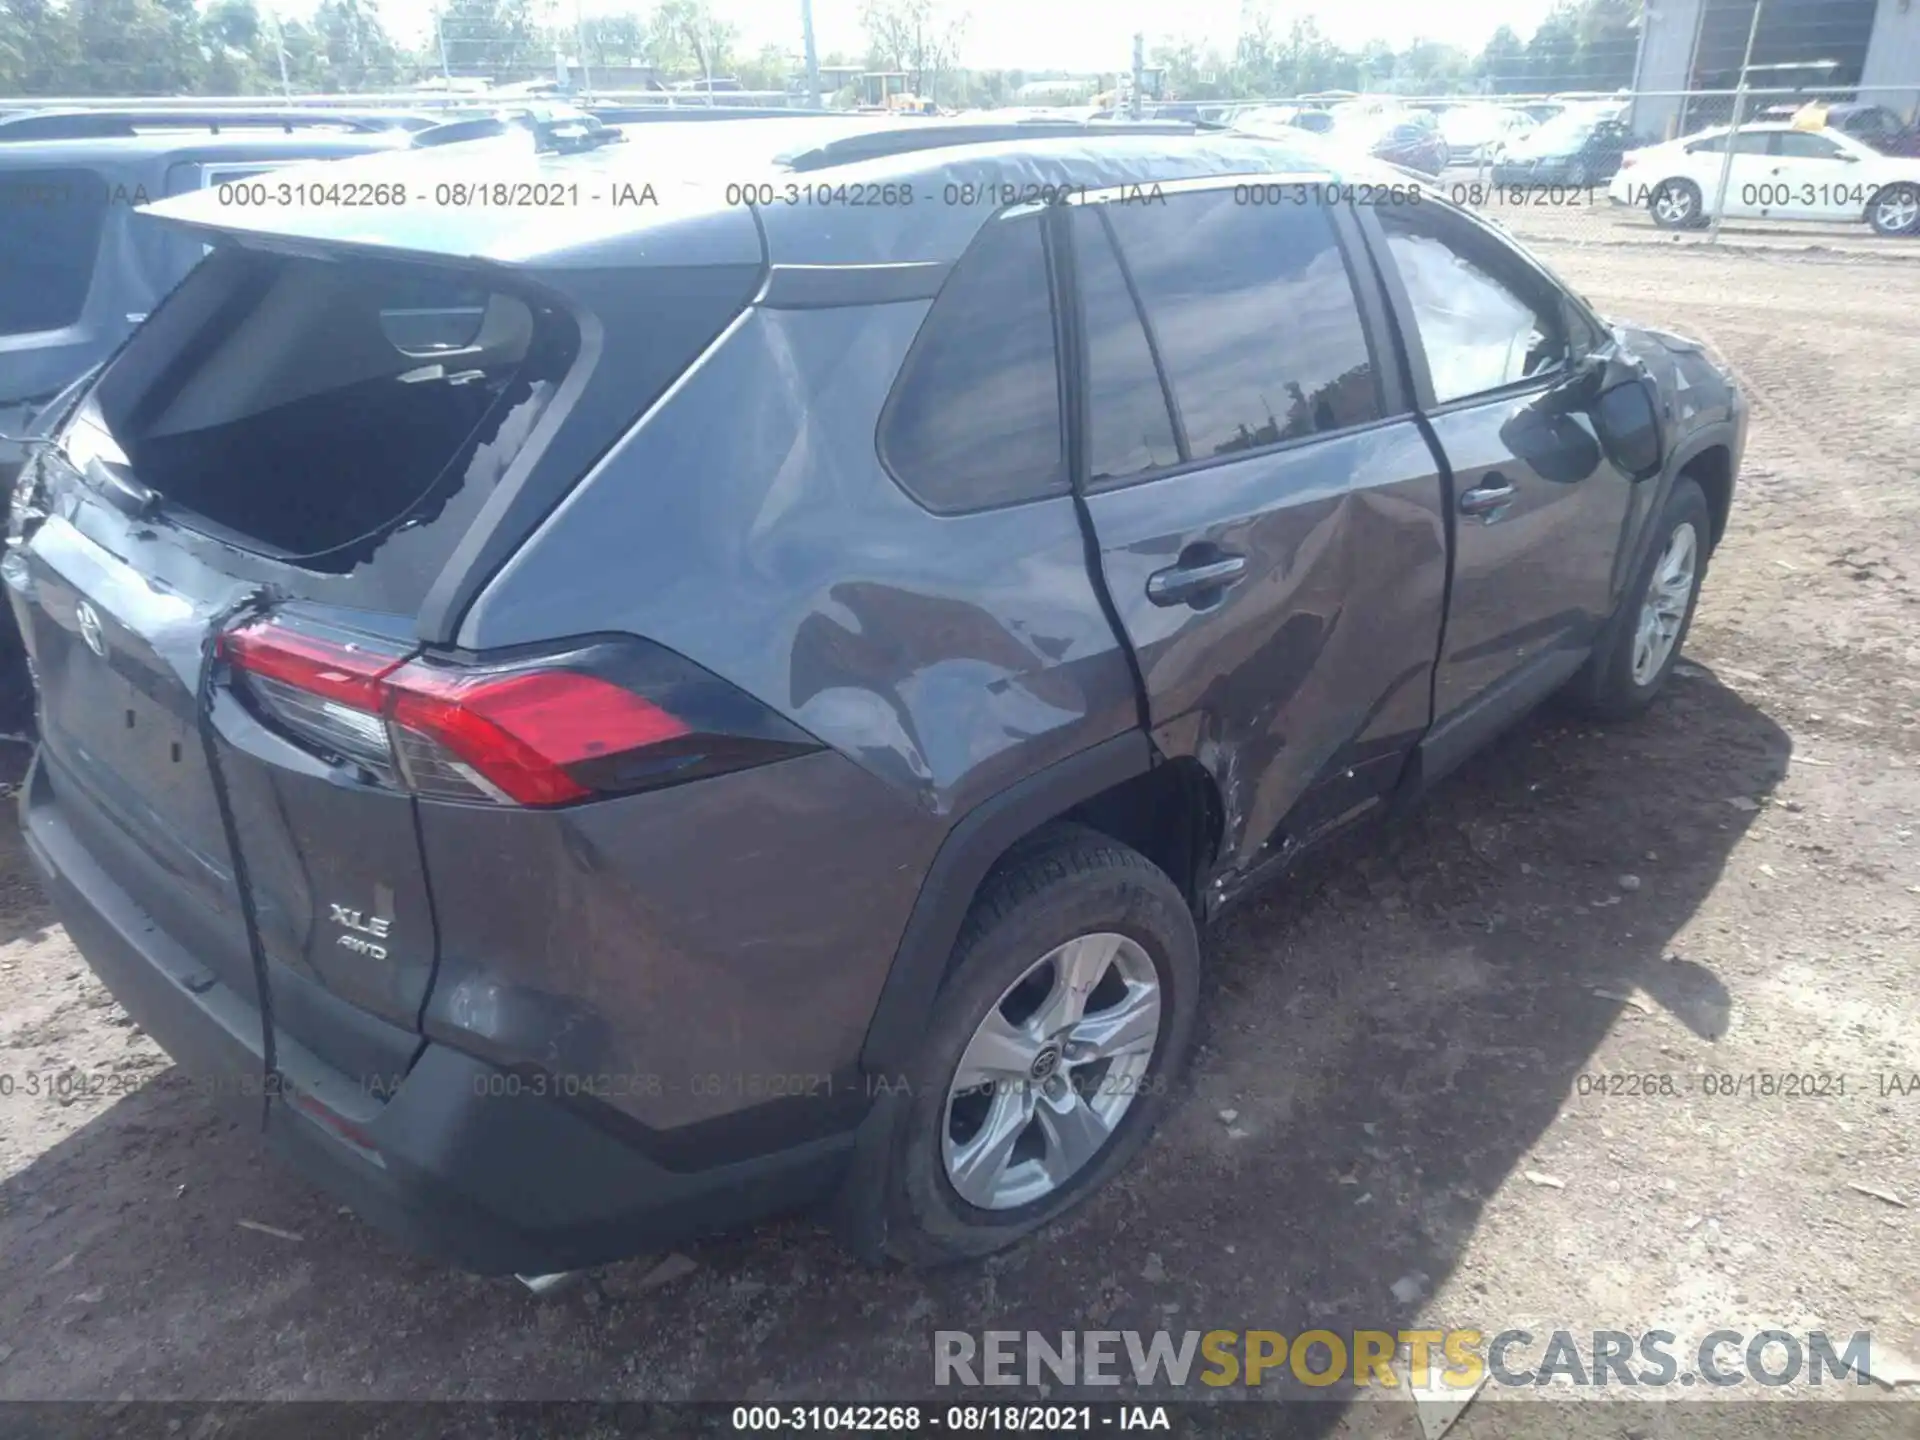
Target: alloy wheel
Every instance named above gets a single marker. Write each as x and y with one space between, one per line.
1897 211
1673 204
1050 1071
1664 610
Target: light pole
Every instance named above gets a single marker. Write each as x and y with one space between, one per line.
580 43
813 56
1733 135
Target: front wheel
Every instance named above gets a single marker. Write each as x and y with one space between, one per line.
1895 210
1055 1040
1638 651
1677 205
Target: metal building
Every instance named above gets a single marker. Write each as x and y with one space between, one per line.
1868 47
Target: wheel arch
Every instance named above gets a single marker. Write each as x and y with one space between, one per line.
1706 458
1168 810
1708 462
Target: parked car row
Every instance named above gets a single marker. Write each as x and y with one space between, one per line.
1574 142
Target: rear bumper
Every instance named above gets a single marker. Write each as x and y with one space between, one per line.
461 1163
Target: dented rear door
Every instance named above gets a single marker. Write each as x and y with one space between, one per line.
1268 515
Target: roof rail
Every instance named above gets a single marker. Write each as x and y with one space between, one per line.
132 120
937 135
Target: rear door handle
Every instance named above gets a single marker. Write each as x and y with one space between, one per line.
1488 499
1183 584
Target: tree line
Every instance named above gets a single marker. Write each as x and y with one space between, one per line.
230 47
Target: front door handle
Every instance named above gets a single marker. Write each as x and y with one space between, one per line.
1188 583
1488 499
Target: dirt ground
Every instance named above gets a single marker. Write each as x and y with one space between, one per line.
1731 885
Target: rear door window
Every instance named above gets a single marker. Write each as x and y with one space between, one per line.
50 225
1802 145
1254 316
1129 429
974 419
1747 142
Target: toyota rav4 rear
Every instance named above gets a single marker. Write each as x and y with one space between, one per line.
463 930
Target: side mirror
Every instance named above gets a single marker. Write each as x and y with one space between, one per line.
1581 386
1628 425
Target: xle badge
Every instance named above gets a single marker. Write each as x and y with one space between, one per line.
364 931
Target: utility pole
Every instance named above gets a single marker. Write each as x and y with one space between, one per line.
580 43
1139 74
813 56
280 49
440 33
1733 135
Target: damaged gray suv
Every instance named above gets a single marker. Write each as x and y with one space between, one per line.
731 676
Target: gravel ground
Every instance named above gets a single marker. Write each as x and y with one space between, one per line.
1730 885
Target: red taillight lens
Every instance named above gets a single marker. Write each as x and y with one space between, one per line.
1627 162
335 669
607 717
520 732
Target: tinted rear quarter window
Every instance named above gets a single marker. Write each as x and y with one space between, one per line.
50 224
1254 316
974 418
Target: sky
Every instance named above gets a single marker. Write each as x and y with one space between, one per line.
1079 35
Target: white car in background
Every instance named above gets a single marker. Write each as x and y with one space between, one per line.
1780 171
1481 132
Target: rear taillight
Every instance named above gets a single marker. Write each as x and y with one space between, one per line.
1629 160
601 718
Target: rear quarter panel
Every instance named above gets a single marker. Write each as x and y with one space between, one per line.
747 523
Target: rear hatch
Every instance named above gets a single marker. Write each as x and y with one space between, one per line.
237 567
294 445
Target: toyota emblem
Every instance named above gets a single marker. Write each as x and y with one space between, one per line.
89 619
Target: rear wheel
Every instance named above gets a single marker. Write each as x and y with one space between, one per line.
1895 210
1640 648
1578 176
1055 1038
1676 205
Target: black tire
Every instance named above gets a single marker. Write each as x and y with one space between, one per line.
1689 208
1903 194
1606 688
1067 881
1577 176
